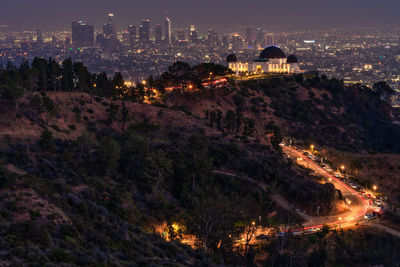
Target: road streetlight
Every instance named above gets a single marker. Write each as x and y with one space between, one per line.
340 222
312 148
330 179
374 187
342 167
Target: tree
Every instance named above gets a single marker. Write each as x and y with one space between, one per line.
249 229
85 144
276 138
83 75
230 121
46 140
160 168
249 127
7 179
67 78
112 112
12 92
125 114
383 90
135 160
207 216
109 154
199 163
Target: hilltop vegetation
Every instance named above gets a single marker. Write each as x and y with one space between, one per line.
90 175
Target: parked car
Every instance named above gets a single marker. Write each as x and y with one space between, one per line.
297 232
370 216
313 230
281 234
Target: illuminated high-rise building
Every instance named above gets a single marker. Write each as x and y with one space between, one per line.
237 42
271 40
39 37
144 31
249 36
168 31
132 34
225 42
109 29
192 36
212 38
82 34
158 34
260 38
181 36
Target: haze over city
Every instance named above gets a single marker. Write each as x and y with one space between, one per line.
51 15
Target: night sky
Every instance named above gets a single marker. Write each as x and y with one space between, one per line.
58 14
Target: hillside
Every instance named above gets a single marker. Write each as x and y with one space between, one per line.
311 109
98 177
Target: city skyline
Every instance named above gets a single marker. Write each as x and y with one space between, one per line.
222 13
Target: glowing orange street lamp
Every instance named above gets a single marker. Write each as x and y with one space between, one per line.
374 187
342 167
144 82
253 223
312 147
340 222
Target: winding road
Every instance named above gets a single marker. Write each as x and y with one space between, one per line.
358 208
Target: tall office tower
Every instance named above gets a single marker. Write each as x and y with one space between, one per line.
194 38
109 29
225 42
271 40
141 34
82 34
126 38
144 31
168 37
212 38
192 34
181 36
158 34
249 36
260 38
39 37
67 42
54 41
132 34
237 43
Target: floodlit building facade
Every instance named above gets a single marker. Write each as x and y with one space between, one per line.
272 60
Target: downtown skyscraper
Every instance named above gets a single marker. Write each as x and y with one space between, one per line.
144 31
82 34
109 29
158 34
168 37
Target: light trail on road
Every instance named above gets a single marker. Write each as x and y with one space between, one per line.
348 220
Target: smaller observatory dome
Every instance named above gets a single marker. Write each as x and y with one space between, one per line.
272 52
291 59
231 58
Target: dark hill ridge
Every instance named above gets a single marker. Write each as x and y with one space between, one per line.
315 110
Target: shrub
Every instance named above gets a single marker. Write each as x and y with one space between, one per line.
46 140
